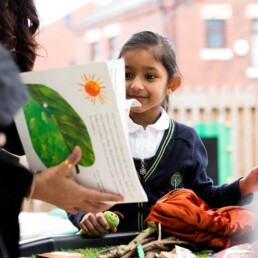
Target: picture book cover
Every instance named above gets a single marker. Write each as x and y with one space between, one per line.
81 105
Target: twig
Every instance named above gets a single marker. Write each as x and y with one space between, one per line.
147 240
159 231
152 228
161 244
150 245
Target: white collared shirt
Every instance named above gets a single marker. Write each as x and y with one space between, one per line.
145 143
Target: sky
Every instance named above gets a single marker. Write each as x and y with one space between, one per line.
51 10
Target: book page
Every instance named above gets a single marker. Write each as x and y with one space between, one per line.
79 105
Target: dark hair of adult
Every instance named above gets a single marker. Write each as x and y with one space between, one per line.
161 48
19 24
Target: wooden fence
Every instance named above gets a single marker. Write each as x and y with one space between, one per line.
235 108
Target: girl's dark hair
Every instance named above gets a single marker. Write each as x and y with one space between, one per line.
162 50
19 24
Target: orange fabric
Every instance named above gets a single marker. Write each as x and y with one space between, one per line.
184 215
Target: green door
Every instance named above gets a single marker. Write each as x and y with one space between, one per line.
222 133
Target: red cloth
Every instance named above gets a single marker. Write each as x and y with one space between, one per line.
184 215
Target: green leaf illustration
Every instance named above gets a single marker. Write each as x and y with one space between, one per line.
55 127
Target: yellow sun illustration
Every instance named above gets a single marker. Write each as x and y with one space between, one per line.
93 89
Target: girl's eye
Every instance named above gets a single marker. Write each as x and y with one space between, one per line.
128 75
150 76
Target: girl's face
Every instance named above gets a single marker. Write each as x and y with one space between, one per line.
146 81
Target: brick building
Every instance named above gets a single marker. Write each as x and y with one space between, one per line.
217 48
216 40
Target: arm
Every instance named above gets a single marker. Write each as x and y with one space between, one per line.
55 185
76 218
249 183
202 184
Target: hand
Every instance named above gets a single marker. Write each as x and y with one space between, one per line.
57 186
95 224
249 183
2 139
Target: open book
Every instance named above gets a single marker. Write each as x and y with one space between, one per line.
81 105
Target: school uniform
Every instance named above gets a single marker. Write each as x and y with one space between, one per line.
169 155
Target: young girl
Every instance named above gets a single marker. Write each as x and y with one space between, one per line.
167 154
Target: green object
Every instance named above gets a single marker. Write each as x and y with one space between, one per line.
81 232
140 251
55 128
112 219
222 132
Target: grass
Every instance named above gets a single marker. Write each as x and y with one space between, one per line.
89 252
92 252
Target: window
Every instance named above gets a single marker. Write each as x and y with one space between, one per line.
215 33
254 44
215 17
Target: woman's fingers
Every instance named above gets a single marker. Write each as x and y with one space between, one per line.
73 158
85 199
99 197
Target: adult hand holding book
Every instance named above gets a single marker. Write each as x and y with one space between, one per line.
57 185
81 105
